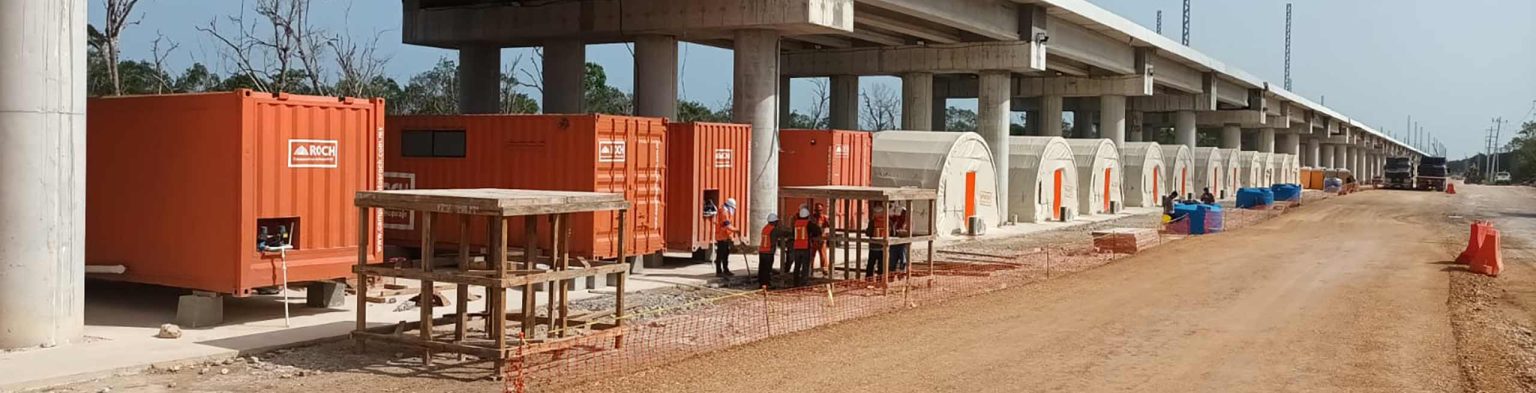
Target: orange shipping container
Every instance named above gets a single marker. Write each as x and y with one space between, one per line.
592 153
707 163
824 158
177 186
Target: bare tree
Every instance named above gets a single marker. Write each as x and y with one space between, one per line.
162 78
822 96
359 63
881 108
118 14
268 56
534 79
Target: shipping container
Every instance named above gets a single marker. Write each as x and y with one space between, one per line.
591 153
707 164
824 158
184 190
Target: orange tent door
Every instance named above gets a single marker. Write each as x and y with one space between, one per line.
970 194
1056 195
1157 195
1106 188
1184 181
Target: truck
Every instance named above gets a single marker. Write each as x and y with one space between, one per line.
1399 173
1432 174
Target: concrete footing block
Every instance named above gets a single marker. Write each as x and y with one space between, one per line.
200 309
325 294
653 261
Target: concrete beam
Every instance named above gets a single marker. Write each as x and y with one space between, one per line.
998 20
1243 118
1228 92
1015 56
1066 86
932 36
602 21
1078 43
1177 76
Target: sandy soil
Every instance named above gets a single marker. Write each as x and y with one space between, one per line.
1349 294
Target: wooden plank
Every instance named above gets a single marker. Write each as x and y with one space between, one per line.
491 201
363 237
859 193
417 274
429 345
425 303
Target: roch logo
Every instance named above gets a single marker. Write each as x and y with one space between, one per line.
610 151
840 150
724 158
398 219
312 153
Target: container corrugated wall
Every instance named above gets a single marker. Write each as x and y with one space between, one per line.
705 159
824 158
177 183
591 153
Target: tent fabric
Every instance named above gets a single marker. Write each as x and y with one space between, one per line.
1210 165
942 161
1233 179
1178 168
1267 160
1294 168
1033 163
1094 157
1250 169
1143 164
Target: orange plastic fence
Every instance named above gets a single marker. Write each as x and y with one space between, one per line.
1474 242
1489 259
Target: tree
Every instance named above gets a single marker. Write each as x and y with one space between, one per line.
432 92
693 111
361 67
959 119
880 109
196 78
118 14
817 117
1522 154
265 52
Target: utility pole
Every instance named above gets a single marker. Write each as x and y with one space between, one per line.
1498 134
1159 22
1186 22
1288 46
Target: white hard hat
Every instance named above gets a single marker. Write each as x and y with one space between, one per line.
773 217
730 203
805 213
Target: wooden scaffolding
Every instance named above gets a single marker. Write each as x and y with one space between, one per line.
531 270
849 208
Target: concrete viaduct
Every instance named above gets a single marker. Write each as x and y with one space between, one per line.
1045 57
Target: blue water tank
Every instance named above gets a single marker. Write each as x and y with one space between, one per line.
1286 192
1254 197
1205 219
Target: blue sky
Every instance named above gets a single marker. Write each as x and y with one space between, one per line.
1453 67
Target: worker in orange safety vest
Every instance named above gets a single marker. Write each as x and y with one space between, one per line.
773 236
725 239
806 232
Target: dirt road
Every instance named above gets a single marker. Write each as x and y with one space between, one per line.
1345 295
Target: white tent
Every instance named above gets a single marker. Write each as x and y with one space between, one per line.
958 164
1268 161
1283 168
1044 179
1292 169
1098 168
1251 169
1210 165
1233 179
1143 164
1178 164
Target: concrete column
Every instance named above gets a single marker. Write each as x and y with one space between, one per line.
1314 145
755 101
1325 158
1348 156
1134 126
1082 123
917 101
1050 116
993 107
843 107
940 114
565 66
656 76
1184 128
1112 119
42 132
479 79
1267 140
785 110
1231 137
1290 144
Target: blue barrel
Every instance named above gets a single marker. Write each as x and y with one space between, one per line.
1286 192
1205 219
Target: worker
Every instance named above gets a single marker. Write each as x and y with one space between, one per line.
1207 197
879 228
725 239
773 234
819 215
806 232
789 263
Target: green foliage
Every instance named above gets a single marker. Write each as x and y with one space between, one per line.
599 97
801 121
1523 154
957 119
693 111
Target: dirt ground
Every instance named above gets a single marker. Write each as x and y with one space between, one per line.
1350 294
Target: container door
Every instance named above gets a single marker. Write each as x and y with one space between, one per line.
970 194
1056 194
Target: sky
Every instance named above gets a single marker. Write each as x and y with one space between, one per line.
1453 66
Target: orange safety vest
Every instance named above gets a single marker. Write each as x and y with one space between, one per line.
881 229
724 231
765 243
802 234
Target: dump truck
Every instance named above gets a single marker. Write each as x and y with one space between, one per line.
1431 174
1399 173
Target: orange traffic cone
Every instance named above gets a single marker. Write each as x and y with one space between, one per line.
1450 188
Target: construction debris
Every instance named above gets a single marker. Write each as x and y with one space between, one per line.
1125 240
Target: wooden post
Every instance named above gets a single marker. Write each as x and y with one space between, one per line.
424 301
460 327
933 229
530 259
565 264
549 286
829 236
496 315
858 251
885 257
363 236
618 312
848 223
